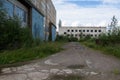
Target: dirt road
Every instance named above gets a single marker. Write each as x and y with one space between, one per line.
74 60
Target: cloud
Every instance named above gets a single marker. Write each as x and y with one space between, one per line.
111 1
73 14
75 23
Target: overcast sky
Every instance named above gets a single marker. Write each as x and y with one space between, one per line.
87 12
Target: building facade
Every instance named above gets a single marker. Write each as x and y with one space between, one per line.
39 15
81 31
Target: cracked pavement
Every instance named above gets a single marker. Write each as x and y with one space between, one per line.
91 64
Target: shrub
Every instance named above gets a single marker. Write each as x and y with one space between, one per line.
12 35
110 38
32 53
72 39
86 38
103 40
66 38
62 38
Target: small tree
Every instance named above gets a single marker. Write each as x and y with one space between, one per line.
60 23
113 25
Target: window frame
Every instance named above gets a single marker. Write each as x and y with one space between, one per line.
24 14
9 15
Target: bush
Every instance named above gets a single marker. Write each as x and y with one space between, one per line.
66 38
12 35
72 39
110 38
86 38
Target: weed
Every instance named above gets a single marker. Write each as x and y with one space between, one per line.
116 71
27 54
109 49
66 77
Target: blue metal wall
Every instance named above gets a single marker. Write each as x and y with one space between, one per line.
37 25
9 7
38 29
53 33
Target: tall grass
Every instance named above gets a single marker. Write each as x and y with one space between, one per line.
27 54
108 43
109 49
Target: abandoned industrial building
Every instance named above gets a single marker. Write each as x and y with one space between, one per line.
39 15
82 31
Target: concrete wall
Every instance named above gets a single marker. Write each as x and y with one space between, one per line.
47 8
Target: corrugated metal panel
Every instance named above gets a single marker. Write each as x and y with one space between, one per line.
37 25
53 33
9 7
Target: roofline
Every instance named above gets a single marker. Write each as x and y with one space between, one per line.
33 6
53 24
82 27
53 5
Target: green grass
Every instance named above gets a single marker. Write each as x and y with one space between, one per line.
111 49
27 54
116 71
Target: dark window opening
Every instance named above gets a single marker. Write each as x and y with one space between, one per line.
95 30
99 30
76 35
65 33
68 30
83 30
72 30
79 30
79 34
91 30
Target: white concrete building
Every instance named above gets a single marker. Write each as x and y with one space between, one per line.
81 31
